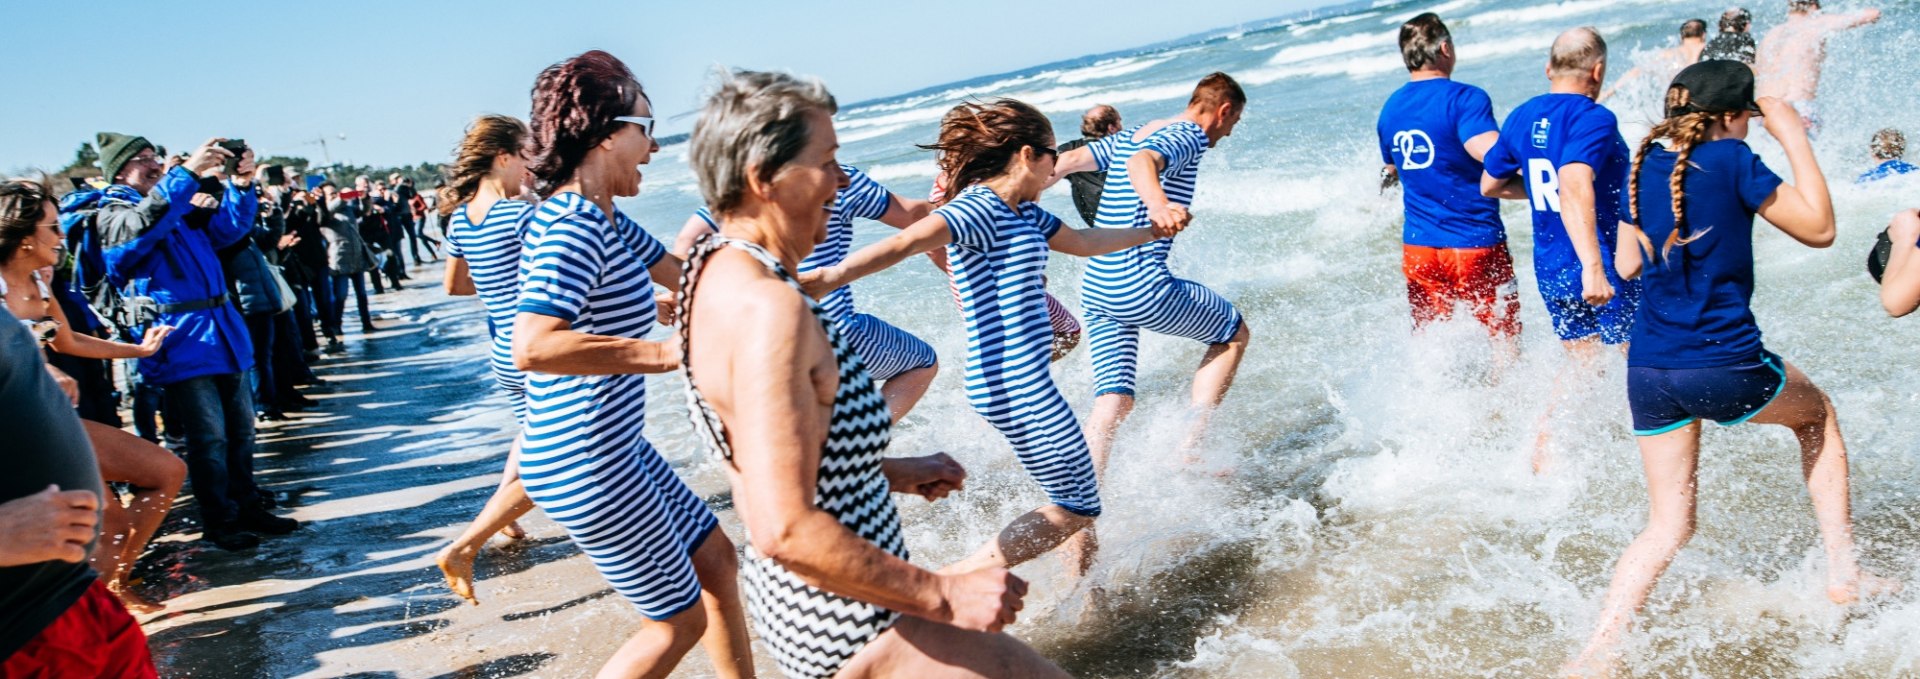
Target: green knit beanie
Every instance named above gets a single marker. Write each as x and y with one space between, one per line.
116 149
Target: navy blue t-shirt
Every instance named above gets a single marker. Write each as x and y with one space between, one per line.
1424 128
1547 133
1694 309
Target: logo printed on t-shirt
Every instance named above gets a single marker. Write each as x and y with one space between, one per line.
1415 147
1540 133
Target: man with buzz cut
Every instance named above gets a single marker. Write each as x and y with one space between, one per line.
1563 154
1433 133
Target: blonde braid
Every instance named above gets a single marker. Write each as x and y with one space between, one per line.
1687 131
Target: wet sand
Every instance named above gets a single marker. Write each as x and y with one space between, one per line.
395 461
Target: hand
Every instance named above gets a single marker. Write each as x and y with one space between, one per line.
1168 219
669 307
208 157
1594 286
205 200
1781 120
150 343
67 385
985 600
821 281
932 477
243 171
1905 229
289 240
51 525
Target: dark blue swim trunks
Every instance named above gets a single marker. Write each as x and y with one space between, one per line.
1665 399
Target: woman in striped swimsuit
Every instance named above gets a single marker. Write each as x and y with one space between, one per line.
999 156
779 394
484 225
586 305
904 364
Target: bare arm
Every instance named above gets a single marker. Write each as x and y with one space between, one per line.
1803 209
1578 217
82 345
1629 256
1478 145
690 232
1091 242
903 212
458 280
548 344
926 234
1900 283
1504 188
1077 160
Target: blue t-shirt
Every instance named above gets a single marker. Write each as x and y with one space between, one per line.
1887 169
1424 128
1694 309
1547 133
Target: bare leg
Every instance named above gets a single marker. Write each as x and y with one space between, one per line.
1806 410
1210 385
654 651
155 475
905 390
1034 533
509 503
719 569
1582 356
928 650
1670 460
1109 410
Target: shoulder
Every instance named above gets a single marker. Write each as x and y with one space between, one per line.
757 302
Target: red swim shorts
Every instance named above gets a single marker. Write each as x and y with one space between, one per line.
94 638
1482 278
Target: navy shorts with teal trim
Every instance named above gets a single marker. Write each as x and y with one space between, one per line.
1665 399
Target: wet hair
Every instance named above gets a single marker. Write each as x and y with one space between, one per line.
489 137
1693 28
1420 40
979 141
23 203
1802 5
1684 130
1215 89
753 122
1889 144
1735 20
574 106
1099 121
1576 52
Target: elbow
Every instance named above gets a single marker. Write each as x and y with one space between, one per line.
1823 238
526 357
778 541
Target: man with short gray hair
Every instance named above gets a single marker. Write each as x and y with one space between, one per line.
1563 153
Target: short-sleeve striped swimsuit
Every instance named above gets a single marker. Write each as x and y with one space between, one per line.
584 459
492 252
1126 291
999 260
813 633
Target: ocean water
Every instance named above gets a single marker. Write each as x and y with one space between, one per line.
1365 507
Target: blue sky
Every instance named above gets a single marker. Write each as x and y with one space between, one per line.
401 79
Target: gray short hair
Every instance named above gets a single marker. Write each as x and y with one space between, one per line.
1576 52
754 121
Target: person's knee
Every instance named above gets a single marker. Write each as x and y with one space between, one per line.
715 559
1242 336
685 628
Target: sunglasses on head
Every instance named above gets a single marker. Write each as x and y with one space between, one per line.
645 123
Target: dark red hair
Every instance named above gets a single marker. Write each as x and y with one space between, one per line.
574 106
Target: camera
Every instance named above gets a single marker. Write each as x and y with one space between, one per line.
235 147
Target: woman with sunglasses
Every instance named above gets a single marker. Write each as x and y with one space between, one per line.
30 246
586 307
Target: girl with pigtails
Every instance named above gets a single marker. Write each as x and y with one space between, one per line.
1696 351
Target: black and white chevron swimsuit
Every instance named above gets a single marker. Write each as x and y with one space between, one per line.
812 633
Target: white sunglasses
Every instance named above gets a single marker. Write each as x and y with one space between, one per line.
645 123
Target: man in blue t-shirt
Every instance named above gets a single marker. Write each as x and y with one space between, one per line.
1889 146
1433 132
1563 154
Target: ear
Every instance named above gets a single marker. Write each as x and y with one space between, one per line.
762 189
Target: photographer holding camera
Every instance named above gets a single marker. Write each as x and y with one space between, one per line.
162 230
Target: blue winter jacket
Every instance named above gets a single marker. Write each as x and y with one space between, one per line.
176 264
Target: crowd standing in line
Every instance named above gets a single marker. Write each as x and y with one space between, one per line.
211 273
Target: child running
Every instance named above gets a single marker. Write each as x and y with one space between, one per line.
1696 351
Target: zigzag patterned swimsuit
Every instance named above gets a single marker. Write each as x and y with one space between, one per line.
812 633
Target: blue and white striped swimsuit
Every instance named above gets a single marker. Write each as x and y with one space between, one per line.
999 260
1132 289
584 459
887 350
492 252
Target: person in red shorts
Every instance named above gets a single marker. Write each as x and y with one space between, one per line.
1433 134
56 618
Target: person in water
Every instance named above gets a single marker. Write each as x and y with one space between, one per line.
998 157
1900 277
1889 147
1792 55
580 331
1666 62
1097 123
779 395
904 364
1563 154
486 221
1433 133
1733 42
1697 351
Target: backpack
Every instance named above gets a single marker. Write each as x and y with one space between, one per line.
84 269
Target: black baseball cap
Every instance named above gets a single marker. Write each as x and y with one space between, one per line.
1717 87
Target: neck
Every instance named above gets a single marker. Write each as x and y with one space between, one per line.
768 227
492 188
589 186
1007 187
18 273
1580 86
1693 42
1428 73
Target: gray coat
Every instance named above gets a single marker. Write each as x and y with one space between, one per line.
346 253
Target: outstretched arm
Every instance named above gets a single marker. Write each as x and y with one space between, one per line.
921 236
1803 209
1077 160
1900 283
82 345
1092 242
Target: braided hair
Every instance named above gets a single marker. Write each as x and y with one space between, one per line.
1685 129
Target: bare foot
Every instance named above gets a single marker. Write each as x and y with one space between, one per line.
513 531
136 604
1862 587
457 565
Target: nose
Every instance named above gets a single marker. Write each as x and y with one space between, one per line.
840 177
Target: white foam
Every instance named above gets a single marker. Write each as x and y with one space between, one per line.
1341 45
1545 12
1108 69
896 171
1444 9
